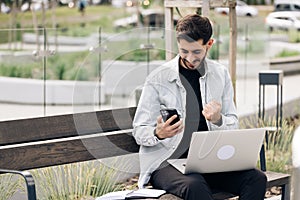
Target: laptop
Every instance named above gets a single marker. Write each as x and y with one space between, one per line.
221 151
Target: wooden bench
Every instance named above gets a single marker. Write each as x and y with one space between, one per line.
56 140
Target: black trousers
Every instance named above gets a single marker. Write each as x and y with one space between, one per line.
248 184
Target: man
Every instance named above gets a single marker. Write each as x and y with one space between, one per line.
201 91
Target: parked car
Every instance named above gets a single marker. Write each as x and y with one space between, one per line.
35 5
5 8
118 3
287 5
126 22
69 3
284 20
148 17
242 9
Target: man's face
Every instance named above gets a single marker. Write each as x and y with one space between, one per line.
193 53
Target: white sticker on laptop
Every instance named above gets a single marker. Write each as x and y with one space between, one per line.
226 152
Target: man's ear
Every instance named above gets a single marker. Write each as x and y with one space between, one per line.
210 43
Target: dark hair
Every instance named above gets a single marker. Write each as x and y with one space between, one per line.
194 27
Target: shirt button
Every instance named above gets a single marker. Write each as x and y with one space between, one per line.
173 147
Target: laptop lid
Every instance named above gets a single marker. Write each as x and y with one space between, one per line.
221 151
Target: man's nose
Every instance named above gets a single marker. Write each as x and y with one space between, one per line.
190 57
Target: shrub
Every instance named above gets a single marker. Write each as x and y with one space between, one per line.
16 71
9 184
75 181
294 36
278 148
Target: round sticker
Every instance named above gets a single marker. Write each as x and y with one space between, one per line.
226 152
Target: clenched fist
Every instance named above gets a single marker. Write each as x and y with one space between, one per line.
212 112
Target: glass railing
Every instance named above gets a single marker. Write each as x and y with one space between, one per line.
45 72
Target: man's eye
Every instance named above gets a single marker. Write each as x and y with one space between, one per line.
197 52
184 51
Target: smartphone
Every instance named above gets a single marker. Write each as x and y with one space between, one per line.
169 112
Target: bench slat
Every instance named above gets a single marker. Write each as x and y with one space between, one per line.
50 153
61 126
222 195
276 178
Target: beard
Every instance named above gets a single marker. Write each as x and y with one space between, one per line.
196 64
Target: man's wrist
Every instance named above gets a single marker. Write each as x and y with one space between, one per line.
157 135
219 122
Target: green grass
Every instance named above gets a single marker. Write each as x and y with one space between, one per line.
98 15
287 53
66 66
68 21
16 71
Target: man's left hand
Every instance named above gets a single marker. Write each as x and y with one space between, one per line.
212 112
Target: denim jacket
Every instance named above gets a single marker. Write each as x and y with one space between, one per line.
163 88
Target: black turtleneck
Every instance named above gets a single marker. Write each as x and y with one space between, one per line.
194 121
191 83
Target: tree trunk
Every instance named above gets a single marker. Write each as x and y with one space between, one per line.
12 31
53 5
35 25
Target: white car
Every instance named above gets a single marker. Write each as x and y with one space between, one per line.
5 8
284 20
287 5
150 17
35 5
242 9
